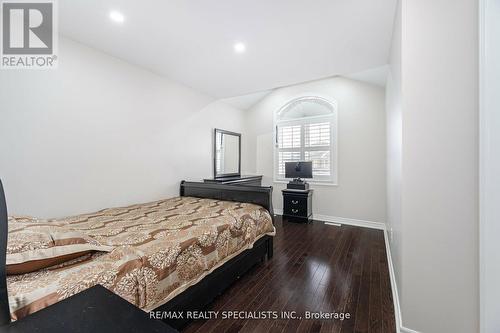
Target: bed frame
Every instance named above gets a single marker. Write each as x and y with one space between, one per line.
196 297
4 230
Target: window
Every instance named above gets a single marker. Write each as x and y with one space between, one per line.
306 131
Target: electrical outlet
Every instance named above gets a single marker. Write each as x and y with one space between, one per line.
391 235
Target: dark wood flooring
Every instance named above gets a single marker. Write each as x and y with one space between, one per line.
316 267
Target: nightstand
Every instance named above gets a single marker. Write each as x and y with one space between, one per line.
297 205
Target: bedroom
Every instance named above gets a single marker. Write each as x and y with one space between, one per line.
129 108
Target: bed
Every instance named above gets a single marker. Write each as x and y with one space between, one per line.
176 254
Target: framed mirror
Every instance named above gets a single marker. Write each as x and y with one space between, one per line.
227 153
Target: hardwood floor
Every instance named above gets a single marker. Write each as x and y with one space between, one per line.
316 267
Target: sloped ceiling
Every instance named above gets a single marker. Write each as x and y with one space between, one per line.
376 76
287 41
245 102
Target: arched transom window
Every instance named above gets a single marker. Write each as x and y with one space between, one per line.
306 130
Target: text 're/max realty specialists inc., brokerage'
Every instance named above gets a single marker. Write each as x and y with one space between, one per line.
257 315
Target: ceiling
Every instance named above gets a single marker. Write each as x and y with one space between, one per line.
287 41
245 102
376 76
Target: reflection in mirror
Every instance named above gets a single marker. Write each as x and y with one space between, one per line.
227 159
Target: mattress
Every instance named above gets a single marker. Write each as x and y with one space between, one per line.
159 250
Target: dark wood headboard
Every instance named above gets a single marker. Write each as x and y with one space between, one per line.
259 195
4 230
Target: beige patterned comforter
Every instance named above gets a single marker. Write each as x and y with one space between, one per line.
160 249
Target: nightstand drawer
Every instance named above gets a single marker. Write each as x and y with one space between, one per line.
295 206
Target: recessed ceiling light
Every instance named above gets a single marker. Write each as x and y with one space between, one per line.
116 16
239 47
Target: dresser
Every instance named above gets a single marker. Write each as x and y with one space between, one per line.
236 180
297 205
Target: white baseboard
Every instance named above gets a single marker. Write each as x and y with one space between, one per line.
354 222
343 220
394 287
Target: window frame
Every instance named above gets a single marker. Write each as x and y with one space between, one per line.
333 148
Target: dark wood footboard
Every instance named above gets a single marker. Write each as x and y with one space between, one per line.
4 299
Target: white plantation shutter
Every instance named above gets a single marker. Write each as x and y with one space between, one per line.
289 136
317 138
287 156
307 138
317 134
321 162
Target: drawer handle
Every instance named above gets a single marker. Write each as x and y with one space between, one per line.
295 202
295 211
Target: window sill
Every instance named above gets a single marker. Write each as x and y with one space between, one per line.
328 184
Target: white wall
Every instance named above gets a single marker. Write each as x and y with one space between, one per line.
394 145
361 190
490 165
98 132
439 291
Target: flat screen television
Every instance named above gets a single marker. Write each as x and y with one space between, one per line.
296 170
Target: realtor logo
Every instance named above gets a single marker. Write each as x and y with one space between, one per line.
29 36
